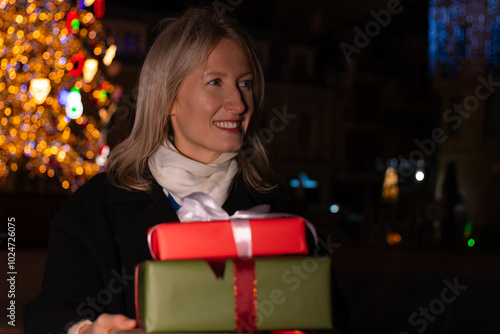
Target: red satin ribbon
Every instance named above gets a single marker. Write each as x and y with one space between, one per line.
245 295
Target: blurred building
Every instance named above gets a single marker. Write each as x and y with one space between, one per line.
464 57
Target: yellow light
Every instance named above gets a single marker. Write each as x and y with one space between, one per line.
65 184
36 34
90 127
11 30
20 34
89 3
13 167
61 156
79 120
13 132
90 69
110 55
103 113
54 150
31 8
42 169
90 154
50 172
79 170
40 88
7 111
45 159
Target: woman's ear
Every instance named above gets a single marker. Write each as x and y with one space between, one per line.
174 109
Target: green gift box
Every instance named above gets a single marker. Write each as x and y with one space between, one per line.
286 293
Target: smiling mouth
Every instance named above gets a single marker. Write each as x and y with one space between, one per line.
228 124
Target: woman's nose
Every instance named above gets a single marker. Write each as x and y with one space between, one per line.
235 102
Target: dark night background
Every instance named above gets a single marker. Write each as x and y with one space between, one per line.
352 119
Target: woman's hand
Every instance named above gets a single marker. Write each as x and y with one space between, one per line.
106 322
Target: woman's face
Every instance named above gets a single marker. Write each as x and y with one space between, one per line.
214 105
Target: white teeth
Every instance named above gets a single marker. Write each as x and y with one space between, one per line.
227 125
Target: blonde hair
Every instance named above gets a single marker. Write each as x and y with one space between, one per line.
183 45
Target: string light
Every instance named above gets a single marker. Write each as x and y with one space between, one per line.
44 50
464 37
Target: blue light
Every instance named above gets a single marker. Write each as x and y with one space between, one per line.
463 30
334 208
304 181
63 96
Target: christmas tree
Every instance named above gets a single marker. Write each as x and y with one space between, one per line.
54 99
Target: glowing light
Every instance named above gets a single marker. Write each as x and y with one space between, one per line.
390 189
40 88
304 181
467 229
90 69
393 238
471 242
74 106
334 208
110 55
63 97
419 176
464 37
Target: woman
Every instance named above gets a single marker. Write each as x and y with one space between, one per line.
200 90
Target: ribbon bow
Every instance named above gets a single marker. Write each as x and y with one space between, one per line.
199 207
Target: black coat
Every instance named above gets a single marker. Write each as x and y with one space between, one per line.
96 241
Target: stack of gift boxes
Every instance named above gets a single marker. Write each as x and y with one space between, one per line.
238 275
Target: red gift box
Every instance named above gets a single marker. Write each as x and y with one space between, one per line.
212 240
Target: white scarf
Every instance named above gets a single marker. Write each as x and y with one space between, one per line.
181 176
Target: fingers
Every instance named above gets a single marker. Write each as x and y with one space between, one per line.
106 322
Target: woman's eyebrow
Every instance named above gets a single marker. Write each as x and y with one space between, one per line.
222 74
219 74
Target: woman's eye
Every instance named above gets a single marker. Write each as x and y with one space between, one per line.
247 84
214 82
